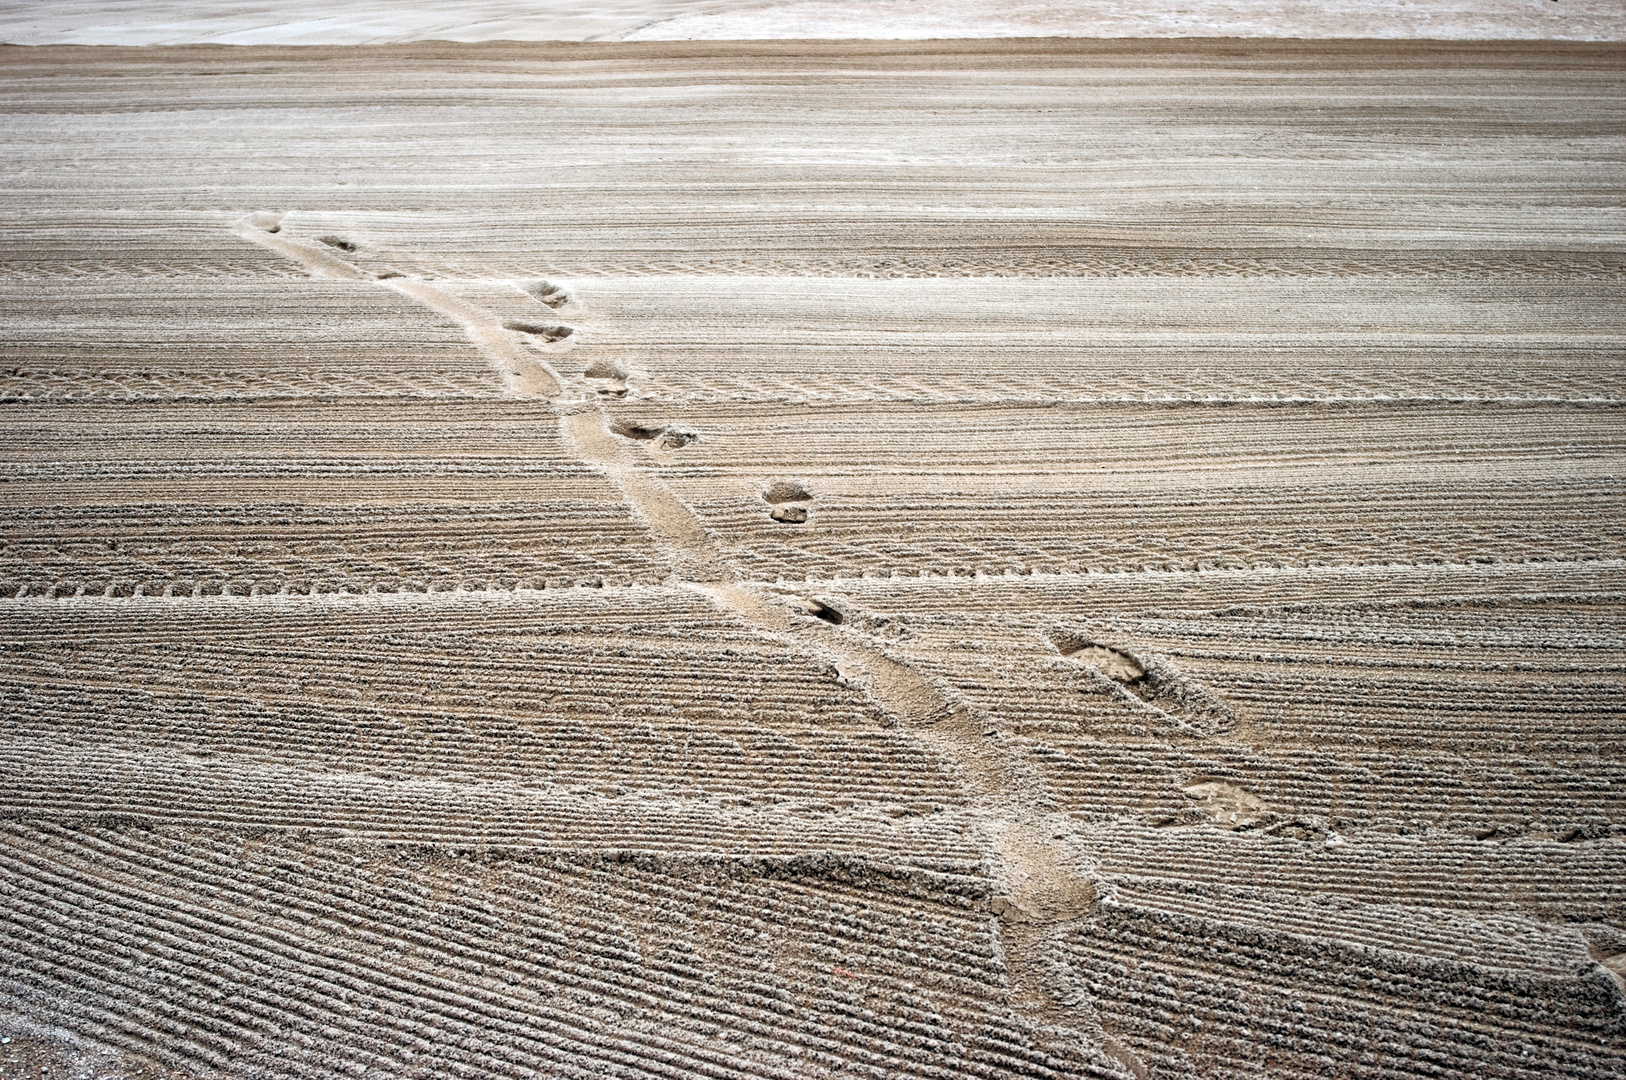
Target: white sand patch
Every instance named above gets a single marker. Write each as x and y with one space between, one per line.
341 22
1571 20
357 22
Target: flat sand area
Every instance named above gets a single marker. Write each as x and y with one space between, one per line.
378 22
1023 558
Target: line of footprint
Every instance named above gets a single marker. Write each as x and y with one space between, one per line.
789 502
1042 882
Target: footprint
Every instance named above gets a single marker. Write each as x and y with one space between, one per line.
1229 805
555 296
665 438
635 431
1157 681
789 499
548 332
675 438
1607 946
821 609
607 379
831 615
318 256
1115 665
524 372
784 491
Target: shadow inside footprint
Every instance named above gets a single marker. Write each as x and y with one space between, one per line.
636 431
549 332
821 610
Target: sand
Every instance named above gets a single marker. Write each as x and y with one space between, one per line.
998 558
372 22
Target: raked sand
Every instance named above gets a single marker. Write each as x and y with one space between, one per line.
374 22
1022 558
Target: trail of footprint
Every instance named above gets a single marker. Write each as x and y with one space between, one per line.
317 260
523 373
1042 885
583 425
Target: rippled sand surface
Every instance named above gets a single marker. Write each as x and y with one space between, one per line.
1028 558
374 22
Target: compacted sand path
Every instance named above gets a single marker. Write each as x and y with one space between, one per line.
797 559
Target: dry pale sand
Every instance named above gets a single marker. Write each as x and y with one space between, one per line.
371 22
985 559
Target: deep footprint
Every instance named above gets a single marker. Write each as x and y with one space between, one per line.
549 332
608 379
636 431
784 491
546 292
1156 681
790 500
1117 666
666 438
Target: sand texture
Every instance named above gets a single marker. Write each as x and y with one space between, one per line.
986 559
373 22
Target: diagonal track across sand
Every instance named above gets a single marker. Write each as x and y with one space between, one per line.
1041 881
